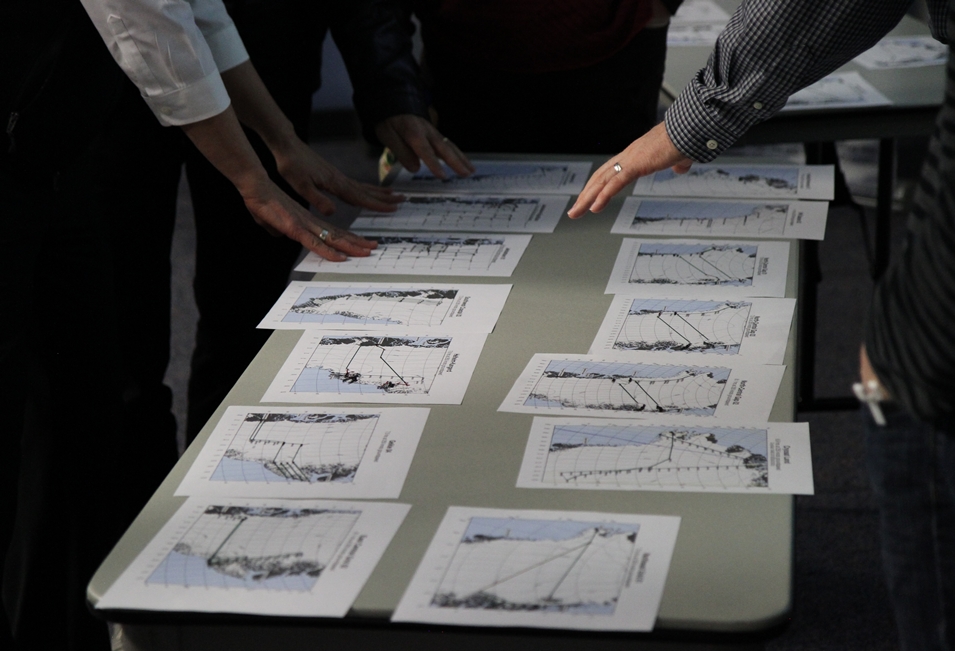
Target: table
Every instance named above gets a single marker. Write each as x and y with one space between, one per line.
732 567
916 94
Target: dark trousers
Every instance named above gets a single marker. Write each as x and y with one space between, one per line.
912 469
240 271
73 477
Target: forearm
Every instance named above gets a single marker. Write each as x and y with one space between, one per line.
221 140
769 50
374 37
255 108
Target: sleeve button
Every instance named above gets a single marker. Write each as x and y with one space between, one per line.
757 105
712 144
165 110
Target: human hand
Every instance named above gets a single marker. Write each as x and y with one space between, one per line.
412 139
280 214
308 173
867 374
651 152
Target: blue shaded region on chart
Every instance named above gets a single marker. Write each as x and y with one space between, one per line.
633 387
368 364
731 265
612 434
675 209
683 325
522 529
729 180
280 447
366 306
657 457
255 548
193 571
548 566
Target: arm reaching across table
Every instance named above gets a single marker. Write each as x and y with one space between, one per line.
769 50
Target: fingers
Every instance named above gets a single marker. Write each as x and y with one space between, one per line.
332 243
682 167
276 212
368 196
322 204
453 156
413 139
405 154
348 190
337 242
602 186
651 152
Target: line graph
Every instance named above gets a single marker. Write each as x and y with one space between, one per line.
450 213
255 548
512 564
694 264
464 254
675 217
500 176
657 457
369 364
635 387
731 181
358 307
280 447
683 326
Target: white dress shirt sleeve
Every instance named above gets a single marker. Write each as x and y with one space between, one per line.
173 50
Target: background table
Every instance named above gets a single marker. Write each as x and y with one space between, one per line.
732 566
916 95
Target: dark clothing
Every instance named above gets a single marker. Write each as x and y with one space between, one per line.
530 36
578 77
597 109
73 477
240 269
909 342
912 470
909 331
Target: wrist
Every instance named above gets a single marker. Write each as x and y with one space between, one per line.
280 136
251 181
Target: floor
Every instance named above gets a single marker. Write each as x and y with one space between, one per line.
840 600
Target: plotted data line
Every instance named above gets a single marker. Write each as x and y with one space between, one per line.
537 565
210 561
705 274
351 377
705 338
637 382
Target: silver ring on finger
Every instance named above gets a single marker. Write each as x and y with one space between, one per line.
323 235
444 139
617 168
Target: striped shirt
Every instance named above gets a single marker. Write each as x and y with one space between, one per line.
768 51
910 332
771 49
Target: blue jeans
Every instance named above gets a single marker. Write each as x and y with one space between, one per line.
912 469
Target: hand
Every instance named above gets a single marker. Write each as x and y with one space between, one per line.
412 138
279 214
308 173
652 152
867 374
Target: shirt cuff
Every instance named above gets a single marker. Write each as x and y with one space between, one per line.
696 130
227 47
197 101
